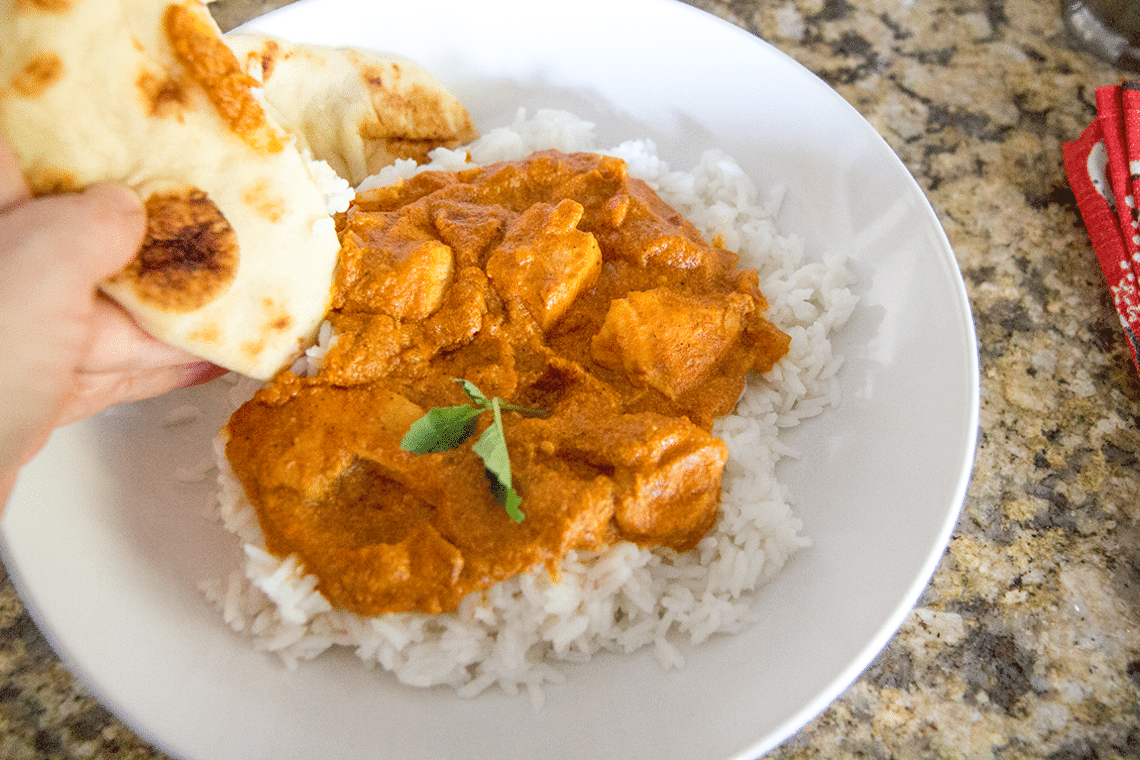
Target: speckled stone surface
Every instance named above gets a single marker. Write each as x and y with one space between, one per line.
1026 644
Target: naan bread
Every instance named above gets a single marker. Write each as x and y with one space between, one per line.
358 111
241 250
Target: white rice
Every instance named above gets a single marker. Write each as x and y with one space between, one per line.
514 634
338 193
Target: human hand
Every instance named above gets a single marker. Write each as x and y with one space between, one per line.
71 351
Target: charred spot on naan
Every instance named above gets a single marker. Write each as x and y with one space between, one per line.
375 76
163 96
44 6
275 319
207 333
38 74
276 315
260 63
215 68
51 181
264 201
268 59
189 256
419 110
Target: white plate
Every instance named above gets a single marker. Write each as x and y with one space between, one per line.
108 550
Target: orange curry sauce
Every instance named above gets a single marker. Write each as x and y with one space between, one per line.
556 282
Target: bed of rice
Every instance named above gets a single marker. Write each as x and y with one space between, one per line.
515 634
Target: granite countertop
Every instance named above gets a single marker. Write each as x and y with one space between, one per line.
1026 643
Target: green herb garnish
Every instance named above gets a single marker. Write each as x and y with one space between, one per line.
446 427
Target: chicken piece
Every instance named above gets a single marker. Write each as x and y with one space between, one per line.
391 264
665 471
365 347
414 288
374 578
285 437
637 226
667 340
544 261
411 287
669 494
470 230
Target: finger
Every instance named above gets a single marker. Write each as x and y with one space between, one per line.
95 392
76 239
118 344
13 188
119 219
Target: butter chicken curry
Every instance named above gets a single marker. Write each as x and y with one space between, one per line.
556 282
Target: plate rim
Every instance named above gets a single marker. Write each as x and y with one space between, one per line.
887 630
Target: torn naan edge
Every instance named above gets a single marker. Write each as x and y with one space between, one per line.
357 110
240 253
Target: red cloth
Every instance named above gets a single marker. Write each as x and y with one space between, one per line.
1104 172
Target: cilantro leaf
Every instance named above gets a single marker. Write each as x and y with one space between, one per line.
506 496
444 428
477 396
492 449
474 393
512 501
441 429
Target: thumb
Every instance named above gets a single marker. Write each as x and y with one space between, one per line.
118 223
74 240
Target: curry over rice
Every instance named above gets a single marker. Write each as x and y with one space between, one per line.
556 282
